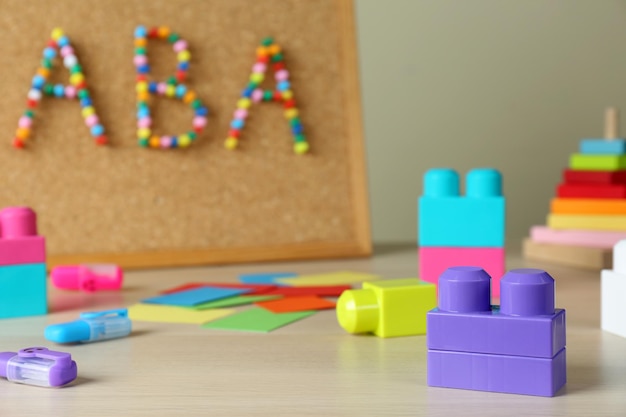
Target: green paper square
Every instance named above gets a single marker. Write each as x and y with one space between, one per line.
256 320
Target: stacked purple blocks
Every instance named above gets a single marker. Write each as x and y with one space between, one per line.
517 347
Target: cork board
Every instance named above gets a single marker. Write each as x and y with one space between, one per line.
204 204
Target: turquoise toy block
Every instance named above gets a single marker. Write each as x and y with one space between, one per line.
445 218
603 146
23 290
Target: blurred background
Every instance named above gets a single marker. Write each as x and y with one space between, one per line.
509 84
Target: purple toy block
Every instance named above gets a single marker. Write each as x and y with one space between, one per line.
497 373
525 324
19 242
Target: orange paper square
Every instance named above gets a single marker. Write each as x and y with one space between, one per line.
293 304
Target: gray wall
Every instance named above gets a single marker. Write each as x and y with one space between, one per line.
467 83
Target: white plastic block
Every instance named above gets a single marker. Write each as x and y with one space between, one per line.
613 302
619 257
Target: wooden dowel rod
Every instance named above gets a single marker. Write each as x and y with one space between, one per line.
611 123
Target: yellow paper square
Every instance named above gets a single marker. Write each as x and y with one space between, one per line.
171 314
330 278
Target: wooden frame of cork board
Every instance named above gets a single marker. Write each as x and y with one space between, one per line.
205 204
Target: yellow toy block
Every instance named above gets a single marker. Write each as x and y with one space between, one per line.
387 308
587 222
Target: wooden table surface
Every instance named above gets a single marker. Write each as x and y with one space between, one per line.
309 368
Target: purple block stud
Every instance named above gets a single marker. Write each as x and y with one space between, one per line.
527 292
464 289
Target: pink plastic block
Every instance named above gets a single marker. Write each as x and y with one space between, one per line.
19 242
433 261
573 237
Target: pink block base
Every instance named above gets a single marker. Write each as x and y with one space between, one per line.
434 260
23 250
573 237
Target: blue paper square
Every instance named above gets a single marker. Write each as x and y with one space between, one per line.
195 296
266 277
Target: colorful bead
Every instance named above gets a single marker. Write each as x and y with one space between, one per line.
257 95
48 89
57 33
97 130
34 94
244 103
59 90
69 61
59 45
63 42
49 53
237 124
88 111
25 122
291 113
144 122
92 120
155 142
259 67
241 114
166 142
199 121
301 147
281 75
173 88
201 111
231 143
163 32
184 141
38 81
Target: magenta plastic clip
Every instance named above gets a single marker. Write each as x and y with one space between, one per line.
88 278
38 366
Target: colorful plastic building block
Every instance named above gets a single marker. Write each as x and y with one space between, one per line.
475 220
434 261
517 347
387 308
591 191
19 242
22 264
587 222
613 292
23 290
455 230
